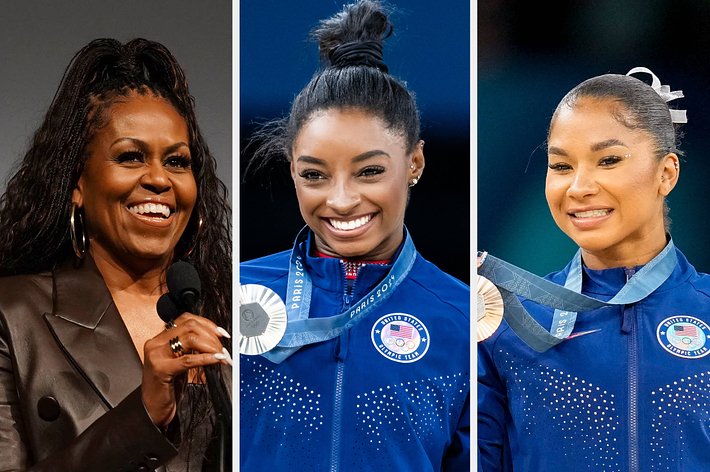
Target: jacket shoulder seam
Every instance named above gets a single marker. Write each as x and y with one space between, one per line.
465 315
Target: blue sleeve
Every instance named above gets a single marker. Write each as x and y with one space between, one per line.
491 413
458 456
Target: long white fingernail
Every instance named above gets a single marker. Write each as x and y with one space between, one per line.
227 356
223 332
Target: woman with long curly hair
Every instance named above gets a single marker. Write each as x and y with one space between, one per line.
117 184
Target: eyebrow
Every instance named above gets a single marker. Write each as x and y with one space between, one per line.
311 160
359 158
594 147
143 145
366 155
175 147
606 144
556 150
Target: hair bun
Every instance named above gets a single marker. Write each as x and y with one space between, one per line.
354 36
366 53
663 91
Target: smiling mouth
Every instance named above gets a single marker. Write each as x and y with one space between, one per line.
152 210
592 213
351 224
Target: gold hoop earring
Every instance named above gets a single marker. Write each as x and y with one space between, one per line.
194 241
77 219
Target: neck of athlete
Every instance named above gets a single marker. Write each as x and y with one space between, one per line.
634 252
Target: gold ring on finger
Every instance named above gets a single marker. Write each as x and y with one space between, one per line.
176 347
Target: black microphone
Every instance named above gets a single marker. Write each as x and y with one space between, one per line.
184 285
167 309
184 290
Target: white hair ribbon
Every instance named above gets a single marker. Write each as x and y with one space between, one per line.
677 116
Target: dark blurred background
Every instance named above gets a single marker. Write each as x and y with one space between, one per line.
430 51
529 55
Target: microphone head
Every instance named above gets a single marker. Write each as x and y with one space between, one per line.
184 284
167 309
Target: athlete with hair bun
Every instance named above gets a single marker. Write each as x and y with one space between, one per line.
626 389
356 348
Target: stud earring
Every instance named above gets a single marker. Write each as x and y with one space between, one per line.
413 182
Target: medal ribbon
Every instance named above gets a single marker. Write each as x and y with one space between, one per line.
567 300
302 330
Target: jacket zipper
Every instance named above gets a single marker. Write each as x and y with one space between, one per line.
349 294
337 409
340 367
633 384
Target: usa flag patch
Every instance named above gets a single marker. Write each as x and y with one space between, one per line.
400 337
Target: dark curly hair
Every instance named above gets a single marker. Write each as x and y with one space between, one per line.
353 76
35 208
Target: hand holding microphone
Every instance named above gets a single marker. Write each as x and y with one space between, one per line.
192 341
184 289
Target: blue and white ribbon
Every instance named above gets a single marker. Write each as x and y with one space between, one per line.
513 281
302 330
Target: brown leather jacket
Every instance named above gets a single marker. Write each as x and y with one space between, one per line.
70 378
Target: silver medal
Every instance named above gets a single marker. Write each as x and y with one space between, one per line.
262 319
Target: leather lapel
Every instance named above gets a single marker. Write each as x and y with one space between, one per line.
90 331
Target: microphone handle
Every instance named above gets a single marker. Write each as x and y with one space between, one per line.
222 408
220 400
189 300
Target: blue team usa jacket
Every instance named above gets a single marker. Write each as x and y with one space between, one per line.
633 396
391 394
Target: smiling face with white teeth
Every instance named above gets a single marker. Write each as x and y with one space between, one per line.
605 184
137 187
352 177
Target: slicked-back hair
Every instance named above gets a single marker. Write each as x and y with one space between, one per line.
641 107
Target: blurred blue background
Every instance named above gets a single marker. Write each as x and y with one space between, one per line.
529 56
429 50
